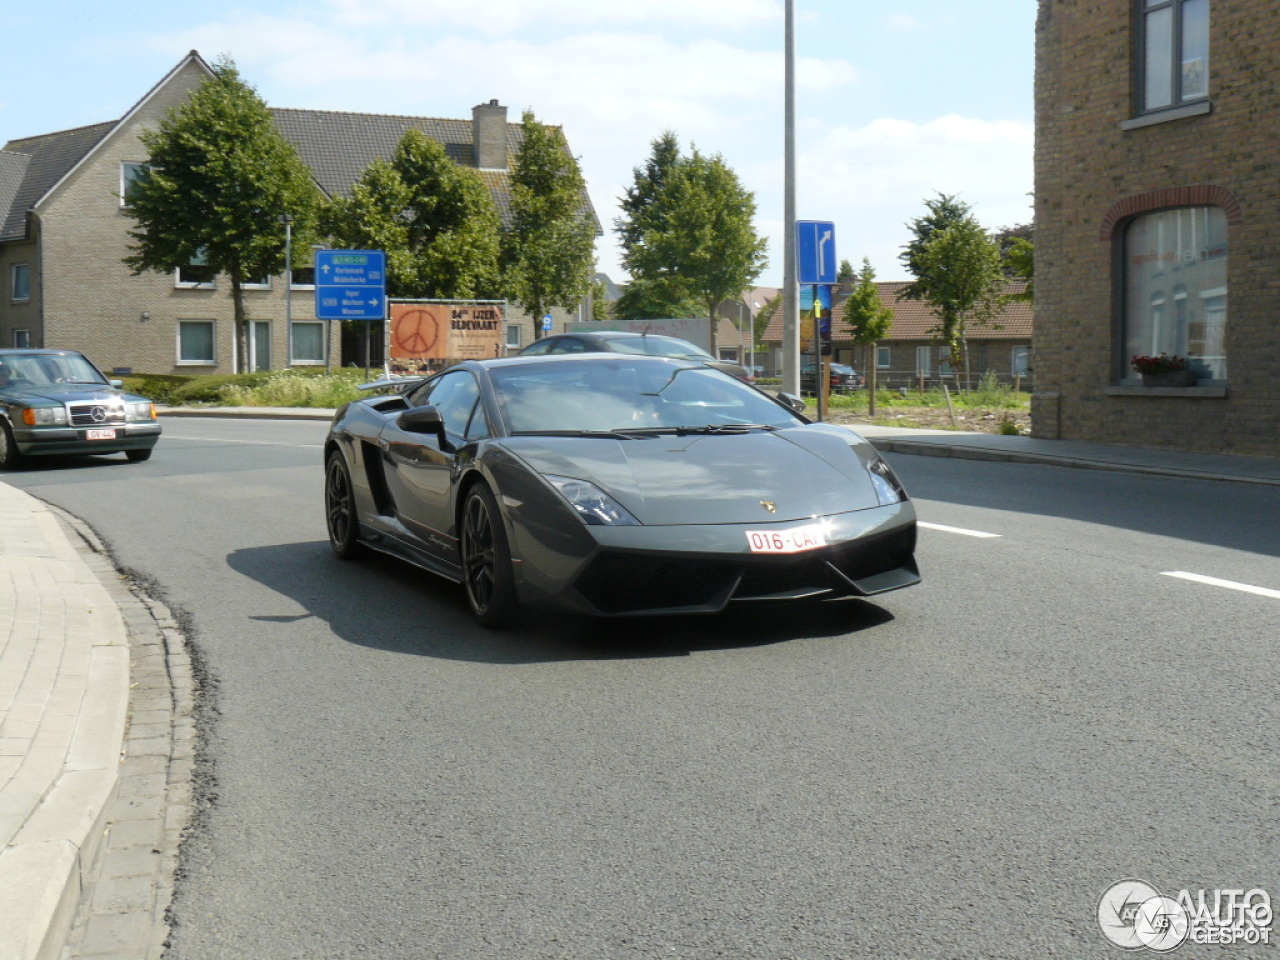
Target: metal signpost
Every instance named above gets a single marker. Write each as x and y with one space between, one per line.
816 266
351 285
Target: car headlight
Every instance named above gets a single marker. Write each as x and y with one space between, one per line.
594 506
44 416
888 488
143 410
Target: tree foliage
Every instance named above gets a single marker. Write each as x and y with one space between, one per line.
549 252
868 318
220 180
435 220
691 235
962 281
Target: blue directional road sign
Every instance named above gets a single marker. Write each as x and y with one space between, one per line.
351 285
815 251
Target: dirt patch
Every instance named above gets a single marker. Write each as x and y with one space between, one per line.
934 418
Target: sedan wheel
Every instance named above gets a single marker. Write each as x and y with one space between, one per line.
10 458
340 508
486 560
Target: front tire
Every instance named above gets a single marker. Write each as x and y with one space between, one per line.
138 456
486 560
10 457
340 508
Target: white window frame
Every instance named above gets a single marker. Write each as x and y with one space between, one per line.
294 359
516 343
199 260
125 179
22 339
924 361
213 337
1020 360
23 270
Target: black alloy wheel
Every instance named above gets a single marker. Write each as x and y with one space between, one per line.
486 560
340 508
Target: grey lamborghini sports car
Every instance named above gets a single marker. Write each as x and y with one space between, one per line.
614 485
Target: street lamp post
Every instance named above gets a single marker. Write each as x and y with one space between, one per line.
287 220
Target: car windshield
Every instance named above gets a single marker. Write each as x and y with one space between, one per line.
42 369
659 347
629 395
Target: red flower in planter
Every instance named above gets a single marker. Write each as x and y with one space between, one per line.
1161 364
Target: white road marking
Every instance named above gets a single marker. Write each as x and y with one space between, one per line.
1228 584
960 530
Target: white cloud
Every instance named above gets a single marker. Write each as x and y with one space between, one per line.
511 17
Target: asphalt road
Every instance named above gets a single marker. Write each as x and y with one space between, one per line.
957 770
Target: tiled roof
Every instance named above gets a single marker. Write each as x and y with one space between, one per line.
337 147
913 319
49 158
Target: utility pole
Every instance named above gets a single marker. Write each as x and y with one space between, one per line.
790 293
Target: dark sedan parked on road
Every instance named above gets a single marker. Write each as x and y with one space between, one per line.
614 485
56 402
843 377
641 344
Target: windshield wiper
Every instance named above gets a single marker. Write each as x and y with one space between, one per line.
714 428
622 433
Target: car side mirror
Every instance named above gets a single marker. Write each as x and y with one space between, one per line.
791 402
116 383
424 419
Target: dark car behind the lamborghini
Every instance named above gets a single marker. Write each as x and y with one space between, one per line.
614 485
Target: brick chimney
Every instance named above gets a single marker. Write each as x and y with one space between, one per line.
489 133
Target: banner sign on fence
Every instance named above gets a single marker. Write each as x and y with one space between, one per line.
423 333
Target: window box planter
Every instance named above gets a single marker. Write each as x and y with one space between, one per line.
1170 378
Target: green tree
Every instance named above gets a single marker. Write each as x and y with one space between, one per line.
868 319
700 238
942 211
641 211
662 296
220 180
1020 263
435 220
962 281
846 276
549 252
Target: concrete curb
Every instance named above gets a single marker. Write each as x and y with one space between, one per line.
936 448
65 710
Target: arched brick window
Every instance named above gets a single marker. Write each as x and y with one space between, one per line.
1172 253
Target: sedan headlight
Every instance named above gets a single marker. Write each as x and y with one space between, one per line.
594 506
143 410
888 488
44 416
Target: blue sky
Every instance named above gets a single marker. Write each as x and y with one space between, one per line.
895 100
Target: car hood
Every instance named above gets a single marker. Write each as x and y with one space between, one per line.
804 472
65 393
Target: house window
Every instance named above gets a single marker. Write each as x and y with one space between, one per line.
924 361
303 277
130 174
20 282
1175 64
513 336
22 339
197 273
196 342
883 357
1175 288
1021 361
308 342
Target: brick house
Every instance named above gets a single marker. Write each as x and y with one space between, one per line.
1157 219
910 354
63 234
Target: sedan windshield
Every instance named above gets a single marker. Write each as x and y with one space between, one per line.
630 396
659 347
42 369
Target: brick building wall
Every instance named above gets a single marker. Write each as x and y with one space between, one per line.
1096 169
